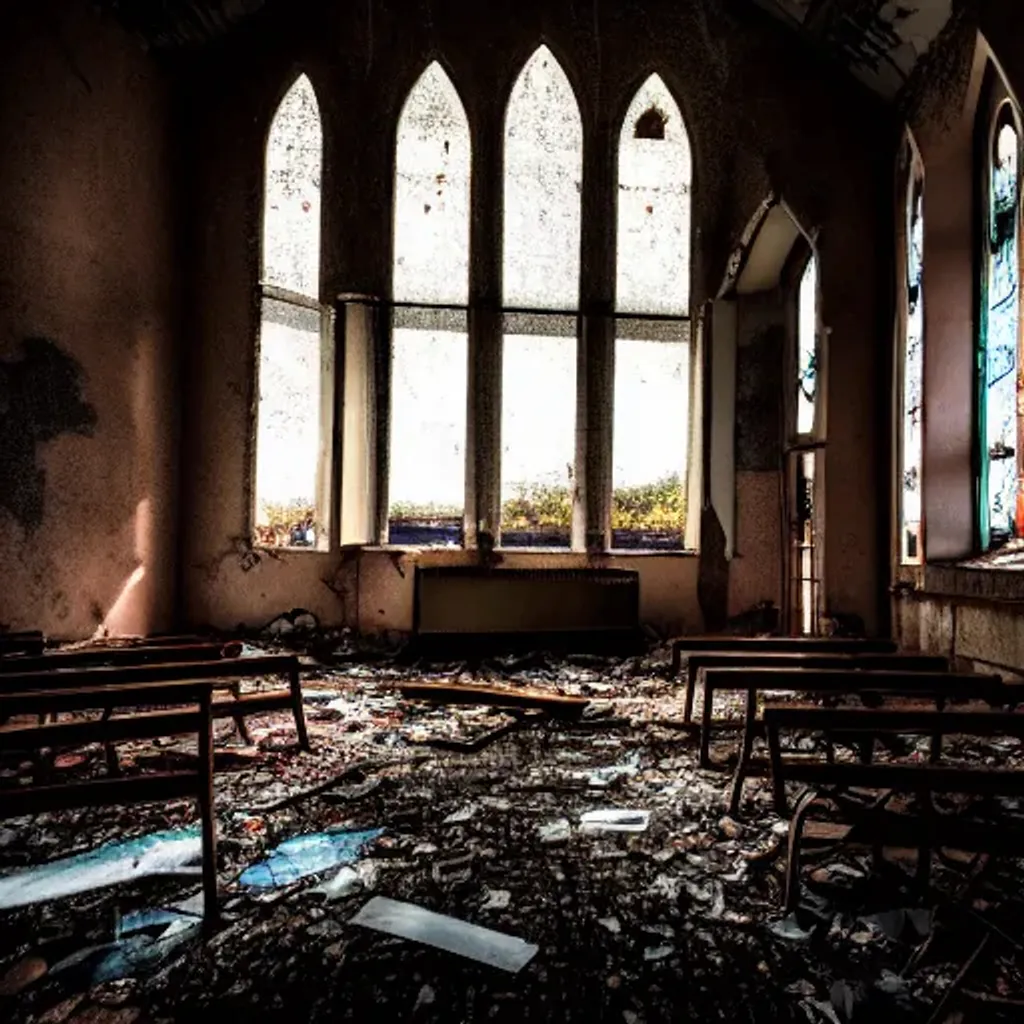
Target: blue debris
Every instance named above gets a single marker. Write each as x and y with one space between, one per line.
307 855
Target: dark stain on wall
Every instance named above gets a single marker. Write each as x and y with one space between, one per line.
758 402
40 399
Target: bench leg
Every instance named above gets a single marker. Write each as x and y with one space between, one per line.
691 685
778 780
208 827
240 724
109 751
299 711
705 726
746 749
796 828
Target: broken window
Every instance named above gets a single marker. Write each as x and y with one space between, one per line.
295 365
541 263
429 350
807 349
1002 515
651 413
913 373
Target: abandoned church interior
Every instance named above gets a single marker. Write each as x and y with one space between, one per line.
511 511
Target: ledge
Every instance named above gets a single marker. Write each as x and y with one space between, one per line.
974 582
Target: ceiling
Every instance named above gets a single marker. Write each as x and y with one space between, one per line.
879 41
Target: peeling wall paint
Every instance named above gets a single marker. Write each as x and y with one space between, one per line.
40 399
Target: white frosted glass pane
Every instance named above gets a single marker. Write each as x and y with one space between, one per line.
543 180
651 424
538 434
428 424
291 211
807 374
432 170
288 424
653 242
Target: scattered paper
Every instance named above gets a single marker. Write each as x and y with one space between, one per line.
614 820
307 855
408 921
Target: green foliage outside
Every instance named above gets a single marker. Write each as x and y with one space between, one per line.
278 519
656 506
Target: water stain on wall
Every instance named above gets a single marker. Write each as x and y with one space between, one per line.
40 399
759 402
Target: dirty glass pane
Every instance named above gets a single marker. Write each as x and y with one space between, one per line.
913 379
432 167
1001 338
426 490
538 431
291 211
543 178
426 486
649 451
653 242
288 427
807 349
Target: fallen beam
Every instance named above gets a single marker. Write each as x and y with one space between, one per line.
463 693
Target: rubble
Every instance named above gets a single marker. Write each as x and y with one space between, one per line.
677 920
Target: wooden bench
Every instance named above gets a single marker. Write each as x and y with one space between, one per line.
700 661
27 642
224 673
874 824
685 645
163 786
83 657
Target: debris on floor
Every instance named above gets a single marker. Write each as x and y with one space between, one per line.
504 861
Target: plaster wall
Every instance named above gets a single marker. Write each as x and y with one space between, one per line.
88 409
763 115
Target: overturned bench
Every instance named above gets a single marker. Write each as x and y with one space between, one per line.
222 673
155 787
875 824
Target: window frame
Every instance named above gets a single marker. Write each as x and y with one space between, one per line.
910 192
326 505
999 109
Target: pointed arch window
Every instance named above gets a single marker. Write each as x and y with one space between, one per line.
912 369
430 287
541 270
1001 506
807 349
652 352
292 478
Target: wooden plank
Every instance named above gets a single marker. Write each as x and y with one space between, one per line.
102 675
109 730
910 777
459 693
99 655
101 698
684 645
206 814
153 788
700 661
877 720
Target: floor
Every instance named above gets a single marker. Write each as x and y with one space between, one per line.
680 921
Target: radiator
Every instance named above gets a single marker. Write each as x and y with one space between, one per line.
483 602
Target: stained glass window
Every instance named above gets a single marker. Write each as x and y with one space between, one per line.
913 376
651 356
426 486
541 263
1001 515
807 349
295 367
